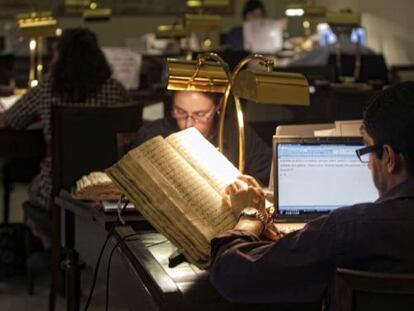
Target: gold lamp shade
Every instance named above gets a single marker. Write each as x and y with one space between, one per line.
346 18
191 76
97 14
203 22
272 87
170 31
37 24
208 4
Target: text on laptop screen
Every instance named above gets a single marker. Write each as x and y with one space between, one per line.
316 178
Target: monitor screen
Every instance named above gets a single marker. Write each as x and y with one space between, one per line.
326 35
263 36
319 177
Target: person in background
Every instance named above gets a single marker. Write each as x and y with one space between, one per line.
253 9
300 266
199 110
80 76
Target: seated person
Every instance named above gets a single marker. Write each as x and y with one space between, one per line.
200 110
253 9
81 76
300 266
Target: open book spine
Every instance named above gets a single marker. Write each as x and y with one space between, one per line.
173 196
161 204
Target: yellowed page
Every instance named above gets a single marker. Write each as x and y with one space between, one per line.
189 203
205 158
156 208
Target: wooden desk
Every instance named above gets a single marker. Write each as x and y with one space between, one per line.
140 277
84 230
182 288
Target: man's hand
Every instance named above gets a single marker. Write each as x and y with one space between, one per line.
246 192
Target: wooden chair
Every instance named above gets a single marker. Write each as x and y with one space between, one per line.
373 67
84 139
402 73
313 74
26 149
366 291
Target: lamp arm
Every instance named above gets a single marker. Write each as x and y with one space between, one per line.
239 111
240 121
229 90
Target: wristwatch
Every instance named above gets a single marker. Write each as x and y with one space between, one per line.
253 213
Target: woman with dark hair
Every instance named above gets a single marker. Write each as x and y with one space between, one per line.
80 76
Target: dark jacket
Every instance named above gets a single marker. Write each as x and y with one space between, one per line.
234 38
301 266
258 154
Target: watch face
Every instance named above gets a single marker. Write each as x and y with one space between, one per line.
249 212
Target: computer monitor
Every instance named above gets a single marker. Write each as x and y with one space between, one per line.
327 36
315 175
263 35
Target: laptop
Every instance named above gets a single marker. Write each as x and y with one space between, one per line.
315 175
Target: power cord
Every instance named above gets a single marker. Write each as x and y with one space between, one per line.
108 270
95 274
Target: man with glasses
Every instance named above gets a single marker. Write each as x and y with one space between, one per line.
299 267
200 110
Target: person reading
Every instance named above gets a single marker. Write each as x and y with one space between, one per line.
200 110
248 267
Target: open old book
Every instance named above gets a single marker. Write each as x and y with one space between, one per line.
177 184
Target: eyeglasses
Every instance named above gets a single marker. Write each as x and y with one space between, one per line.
363 153
198 117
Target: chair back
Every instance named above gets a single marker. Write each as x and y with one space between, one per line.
402 73
312 73
6 68
373 67
366 291
84 139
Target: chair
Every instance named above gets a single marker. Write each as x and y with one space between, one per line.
402 73
313 74
22 164
373 67
6 69
84 139
366 291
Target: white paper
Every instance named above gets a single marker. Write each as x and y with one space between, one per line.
7 102
263 36
126 65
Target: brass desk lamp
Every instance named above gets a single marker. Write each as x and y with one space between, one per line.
342 24
172 31
211 74
207 4
96 13
203 23
35 26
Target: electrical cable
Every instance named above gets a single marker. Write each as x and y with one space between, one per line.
110 259
95 274
108 269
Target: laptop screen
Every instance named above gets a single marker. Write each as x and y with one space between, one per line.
316 175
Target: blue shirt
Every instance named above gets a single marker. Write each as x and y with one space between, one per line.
301 266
